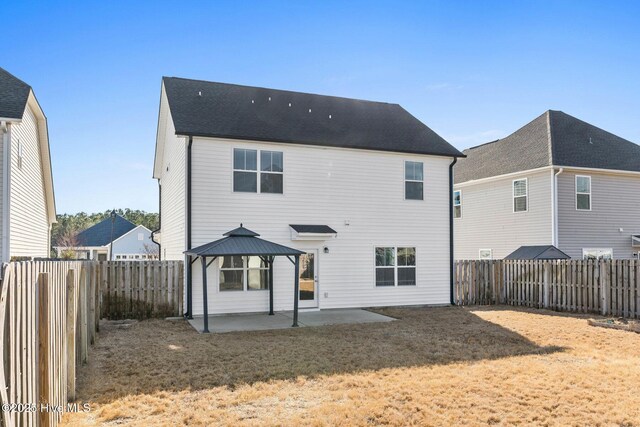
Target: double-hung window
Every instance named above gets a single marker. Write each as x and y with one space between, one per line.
413 180
457 204
392 270
520 202
247 163
583 193
238 273
245 170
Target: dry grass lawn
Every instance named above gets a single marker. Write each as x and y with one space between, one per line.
438 366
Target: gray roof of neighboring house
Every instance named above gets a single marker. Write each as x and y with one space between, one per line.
210 109
537 252
100 234
14 94
242 241
552 139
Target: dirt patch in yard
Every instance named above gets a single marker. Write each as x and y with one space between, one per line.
433 366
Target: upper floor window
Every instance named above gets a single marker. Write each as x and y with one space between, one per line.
457 204
520 203
245 171
413 180
583 193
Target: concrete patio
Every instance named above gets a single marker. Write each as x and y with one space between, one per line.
283 320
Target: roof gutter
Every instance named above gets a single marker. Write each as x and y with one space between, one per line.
554 210
5 128
189 270
451 260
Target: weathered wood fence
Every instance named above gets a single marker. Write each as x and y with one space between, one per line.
49 318
607 287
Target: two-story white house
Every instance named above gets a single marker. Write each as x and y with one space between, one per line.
556 181
27 203
363 188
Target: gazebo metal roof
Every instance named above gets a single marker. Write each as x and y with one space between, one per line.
242 241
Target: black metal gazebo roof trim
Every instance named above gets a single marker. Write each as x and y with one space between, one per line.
244 242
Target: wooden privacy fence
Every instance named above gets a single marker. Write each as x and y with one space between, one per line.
607 287
49 318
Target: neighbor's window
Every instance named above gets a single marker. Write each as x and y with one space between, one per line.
413 180
406 266
140 236
520 195
238 273
245 167
597 253
392 273
385 266
583 193
232 273
271 172
457 204
485 254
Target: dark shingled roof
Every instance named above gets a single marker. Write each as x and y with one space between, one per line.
318 229
210 109
100 234
537 252
554 138
13 95
242 241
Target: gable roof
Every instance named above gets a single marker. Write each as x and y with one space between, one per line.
14 94
210 109
100 233
537 252
552 139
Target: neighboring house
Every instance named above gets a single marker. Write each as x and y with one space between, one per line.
27 204
556 181
130 242
362 187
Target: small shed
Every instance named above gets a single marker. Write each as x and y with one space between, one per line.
545 252
244 242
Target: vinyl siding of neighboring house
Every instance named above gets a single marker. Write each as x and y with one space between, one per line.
328 186
173 183
29 223
134 242
488 220
614 205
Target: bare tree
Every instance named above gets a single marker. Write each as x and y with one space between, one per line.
69 241
151 251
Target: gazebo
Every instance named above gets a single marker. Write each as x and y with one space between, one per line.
244 242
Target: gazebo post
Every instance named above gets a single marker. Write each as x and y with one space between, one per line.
297 291
205 305
271 285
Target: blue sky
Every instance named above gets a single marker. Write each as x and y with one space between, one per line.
473 71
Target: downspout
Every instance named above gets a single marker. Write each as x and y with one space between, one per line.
451 260
153 233
555 208
5 128
189 313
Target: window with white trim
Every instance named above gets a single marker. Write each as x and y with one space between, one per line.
485 254
140 236
271 172
597 253
395 271
583 193
413 180
247 163
520 202
238 273
457 204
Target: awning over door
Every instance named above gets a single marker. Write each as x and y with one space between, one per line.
312 232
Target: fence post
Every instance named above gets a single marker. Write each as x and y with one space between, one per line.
43 347
71 336
546 280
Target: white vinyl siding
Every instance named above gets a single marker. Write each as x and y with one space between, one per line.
613 219
319 189
489 221
173 185
28 217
